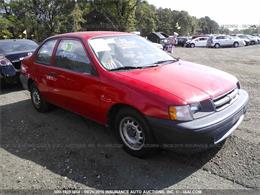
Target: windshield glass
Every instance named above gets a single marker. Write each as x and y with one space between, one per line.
127 51
8 46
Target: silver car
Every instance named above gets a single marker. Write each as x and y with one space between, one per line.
224 41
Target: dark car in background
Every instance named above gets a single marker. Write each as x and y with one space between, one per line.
181 41
157 37
12 52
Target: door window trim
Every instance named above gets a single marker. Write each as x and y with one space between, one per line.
93 71
51 57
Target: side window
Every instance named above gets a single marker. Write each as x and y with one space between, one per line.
72 56
45 52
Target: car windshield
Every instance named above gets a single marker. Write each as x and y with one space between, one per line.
127 52
8 46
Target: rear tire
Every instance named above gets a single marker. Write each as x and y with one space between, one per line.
37 100
217 45
134 133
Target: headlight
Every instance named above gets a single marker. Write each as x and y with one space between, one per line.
4 61
184 113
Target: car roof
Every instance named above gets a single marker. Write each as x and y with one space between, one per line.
89 34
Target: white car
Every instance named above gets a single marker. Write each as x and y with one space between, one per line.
197 42
224 41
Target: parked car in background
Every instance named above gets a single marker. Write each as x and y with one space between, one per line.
146 96
181 41
244 38
197 42
157 37
200 35
12 52
253 39
222 41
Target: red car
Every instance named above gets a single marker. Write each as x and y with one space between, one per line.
148 97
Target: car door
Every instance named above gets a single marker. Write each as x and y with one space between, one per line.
42 69
229 41
199 42
203 42
221 40
76 86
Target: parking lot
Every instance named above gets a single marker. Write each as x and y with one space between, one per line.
61 150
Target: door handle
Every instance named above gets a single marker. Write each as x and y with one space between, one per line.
105 99
52 74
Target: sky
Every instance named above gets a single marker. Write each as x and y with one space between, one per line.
230 13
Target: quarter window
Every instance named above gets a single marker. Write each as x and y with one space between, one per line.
72 56
45 52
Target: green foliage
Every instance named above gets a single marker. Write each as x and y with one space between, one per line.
39 19
146 20
208 26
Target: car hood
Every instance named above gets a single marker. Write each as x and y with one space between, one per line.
18 56
188 81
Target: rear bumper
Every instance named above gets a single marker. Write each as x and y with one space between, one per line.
212 129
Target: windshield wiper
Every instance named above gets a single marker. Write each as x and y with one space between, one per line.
150 66
166 61
127 68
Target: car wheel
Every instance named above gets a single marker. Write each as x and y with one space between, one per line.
192 45
38 102
134 133
236 44
217 45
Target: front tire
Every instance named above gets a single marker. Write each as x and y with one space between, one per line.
134 133
192 45
37 100
236 44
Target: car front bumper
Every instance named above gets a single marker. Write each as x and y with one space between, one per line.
211 129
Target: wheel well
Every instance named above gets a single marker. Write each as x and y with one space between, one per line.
30 82
113 112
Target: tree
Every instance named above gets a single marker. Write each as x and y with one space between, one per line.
145 15
164 18
208 26
120 14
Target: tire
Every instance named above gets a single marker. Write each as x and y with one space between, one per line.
236 44
37 100
134 133
192 45
217 45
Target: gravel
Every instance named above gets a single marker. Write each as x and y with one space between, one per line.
61 150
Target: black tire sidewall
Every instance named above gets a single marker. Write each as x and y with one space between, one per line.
44 106
217 45
149 146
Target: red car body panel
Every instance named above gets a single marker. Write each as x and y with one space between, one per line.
150 91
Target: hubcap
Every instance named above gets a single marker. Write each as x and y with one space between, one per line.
36 98
131 133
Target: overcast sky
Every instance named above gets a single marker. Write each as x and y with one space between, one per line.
225 12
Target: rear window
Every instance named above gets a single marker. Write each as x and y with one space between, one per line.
9 46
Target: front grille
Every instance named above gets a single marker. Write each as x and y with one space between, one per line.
225 100
17 64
